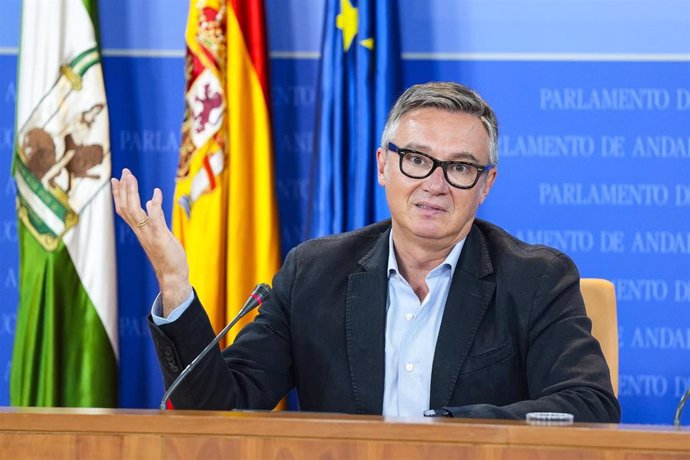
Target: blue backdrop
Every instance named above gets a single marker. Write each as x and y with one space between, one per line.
593 100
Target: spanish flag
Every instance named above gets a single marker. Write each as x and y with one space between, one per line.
225 212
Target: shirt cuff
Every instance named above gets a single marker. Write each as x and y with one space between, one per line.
157 310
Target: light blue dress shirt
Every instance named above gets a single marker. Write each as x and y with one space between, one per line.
157 310
411 332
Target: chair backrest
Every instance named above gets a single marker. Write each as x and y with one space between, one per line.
600 303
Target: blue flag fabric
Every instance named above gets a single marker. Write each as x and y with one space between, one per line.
358 82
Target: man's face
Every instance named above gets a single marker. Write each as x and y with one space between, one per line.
430 210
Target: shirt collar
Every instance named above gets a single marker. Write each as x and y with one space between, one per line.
450 261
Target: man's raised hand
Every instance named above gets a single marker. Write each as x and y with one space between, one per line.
163 250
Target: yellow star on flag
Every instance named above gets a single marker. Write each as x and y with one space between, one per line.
347 21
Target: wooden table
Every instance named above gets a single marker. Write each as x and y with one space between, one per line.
32 433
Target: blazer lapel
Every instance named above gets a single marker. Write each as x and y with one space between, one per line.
468 300
365 323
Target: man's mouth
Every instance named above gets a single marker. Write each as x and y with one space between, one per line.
429 207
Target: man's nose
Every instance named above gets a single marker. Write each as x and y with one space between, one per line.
436 182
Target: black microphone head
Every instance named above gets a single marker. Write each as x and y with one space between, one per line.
263 291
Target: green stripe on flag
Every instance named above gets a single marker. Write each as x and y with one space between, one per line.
59 209
84 61
62 354
35 219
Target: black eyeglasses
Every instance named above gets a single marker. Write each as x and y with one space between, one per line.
418 165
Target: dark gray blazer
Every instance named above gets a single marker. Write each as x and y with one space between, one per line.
514 337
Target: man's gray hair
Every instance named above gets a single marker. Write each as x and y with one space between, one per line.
448 96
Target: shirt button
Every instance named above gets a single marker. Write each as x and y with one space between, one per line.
409 316
409 367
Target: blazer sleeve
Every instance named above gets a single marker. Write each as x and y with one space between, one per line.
564 365
255 372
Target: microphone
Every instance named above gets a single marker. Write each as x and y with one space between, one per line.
679 409
258 296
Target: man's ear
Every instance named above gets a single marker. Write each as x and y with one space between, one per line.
381 165
488 183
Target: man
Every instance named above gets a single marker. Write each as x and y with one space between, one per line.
432 310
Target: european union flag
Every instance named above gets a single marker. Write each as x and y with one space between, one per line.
358 82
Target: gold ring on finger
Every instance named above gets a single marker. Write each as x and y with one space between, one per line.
143 222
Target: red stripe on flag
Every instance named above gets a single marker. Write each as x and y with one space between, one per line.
209 173
250 16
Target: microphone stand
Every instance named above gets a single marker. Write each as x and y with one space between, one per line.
679 409
257 297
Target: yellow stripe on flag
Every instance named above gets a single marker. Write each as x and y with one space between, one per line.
253 248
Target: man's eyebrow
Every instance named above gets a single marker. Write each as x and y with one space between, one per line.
418 147
467 157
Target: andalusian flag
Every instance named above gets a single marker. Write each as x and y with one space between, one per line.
358 83
65 351
225 212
